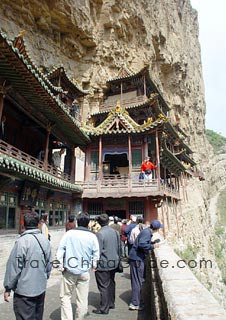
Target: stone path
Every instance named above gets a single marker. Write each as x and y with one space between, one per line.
123 293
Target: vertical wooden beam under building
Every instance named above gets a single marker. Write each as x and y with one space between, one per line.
157 157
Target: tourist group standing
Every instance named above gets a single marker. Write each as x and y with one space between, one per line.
80 250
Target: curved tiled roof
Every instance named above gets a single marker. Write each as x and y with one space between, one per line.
170 161
29 82
71 82
149 83
19 44
119 121
19 168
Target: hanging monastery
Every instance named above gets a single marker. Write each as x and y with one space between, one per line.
42 111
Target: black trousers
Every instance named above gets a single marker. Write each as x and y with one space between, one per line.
136 273
106 285
28 308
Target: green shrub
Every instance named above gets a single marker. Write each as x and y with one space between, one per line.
217 141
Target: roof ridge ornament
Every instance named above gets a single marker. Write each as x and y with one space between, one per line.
118 107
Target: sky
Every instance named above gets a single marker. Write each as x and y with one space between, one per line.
212 37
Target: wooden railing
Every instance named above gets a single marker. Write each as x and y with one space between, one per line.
19 155
111 104
113 184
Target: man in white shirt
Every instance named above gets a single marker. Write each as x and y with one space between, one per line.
78 252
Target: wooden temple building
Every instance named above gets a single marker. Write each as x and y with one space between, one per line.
131 124
41 113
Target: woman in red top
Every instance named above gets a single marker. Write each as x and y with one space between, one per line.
146 168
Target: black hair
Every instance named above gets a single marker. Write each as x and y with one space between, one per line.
31 220
139 220
83 219
103 220
44 217
116 220
71 218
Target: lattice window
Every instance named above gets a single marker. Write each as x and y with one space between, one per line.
136 158
95 208
136 208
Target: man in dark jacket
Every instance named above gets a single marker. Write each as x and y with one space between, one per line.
137 255
27 271
109 242
128 230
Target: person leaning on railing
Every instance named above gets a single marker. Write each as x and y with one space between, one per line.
146 169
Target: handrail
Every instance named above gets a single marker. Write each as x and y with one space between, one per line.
113 182
9 150
108 105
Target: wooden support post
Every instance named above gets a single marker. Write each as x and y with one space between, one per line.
163 221
100 159
130 156
48 129
72 173
1 105
175 210
121 97
145 147
145 94
167 213
87 164
3 91
157 158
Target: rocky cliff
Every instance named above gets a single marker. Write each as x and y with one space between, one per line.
93 39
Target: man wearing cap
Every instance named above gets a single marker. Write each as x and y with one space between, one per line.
137 255
27 271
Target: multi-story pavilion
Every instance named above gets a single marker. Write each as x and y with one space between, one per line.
132 123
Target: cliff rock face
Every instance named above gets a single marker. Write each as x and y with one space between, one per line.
93 39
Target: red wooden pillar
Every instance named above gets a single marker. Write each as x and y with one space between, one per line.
130 156
87 164
145 146
100 158
151 211
47 147
72 173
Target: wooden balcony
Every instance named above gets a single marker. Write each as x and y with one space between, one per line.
21 164
119 187
110 104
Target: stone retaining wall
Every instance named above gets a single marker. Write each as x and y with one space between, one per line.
185 297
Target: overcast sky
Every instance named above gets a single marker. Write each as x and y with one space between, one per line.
212 36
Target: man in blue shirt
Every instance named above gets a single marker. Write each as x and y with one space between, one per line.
137 255
78 252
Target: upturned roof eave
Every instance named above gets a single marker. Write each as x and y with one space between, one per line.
29 84
61 71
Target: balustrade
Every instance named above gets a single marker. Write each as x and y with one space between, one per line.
19 155
110 104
